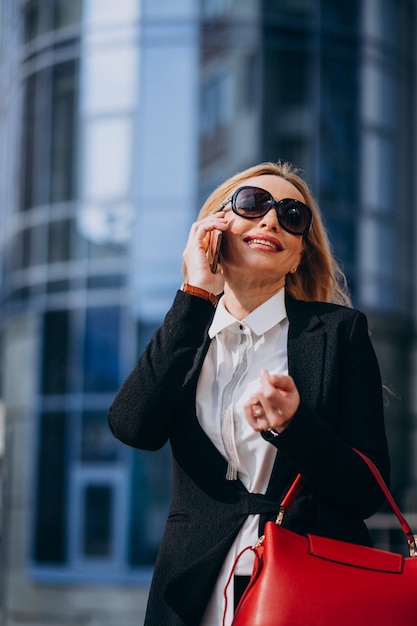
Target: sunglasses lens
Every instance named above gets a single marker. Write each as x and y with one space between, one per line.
294 216
252 202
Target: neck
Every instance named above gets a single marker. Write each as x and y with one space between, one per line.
241 302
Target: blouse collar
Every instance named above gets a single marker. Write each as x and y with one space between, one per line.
262 319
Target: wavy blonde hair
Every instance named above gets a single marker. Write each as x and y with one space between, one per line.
319 276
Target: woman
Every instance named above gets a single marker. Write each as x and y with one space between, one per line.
279 378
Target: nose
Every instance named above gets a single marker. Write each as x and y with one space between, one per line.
270 220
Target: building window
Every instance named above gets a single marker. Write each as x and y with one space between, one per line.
98 510
59 241
250 92
50 518
380 94
287 125
49 139
97 443
42 17
216 103
56 355
98 504
381 20
63 143
101 350
339 133
380 250
151 478
379 177
215 8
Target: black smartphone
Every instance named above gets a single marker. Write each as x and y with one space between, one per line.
213 250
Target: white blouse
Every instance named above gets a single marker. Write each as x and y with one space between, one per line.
243 348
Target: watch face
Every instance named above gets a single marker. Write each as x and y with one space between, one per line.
273 432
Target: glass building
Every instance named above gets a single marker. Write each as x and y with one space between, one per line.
117 118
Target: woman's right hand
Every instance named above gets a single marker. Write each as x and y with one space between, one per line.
274 404
195 258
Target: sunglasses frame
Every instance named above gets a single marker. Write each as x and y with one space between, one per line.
275 204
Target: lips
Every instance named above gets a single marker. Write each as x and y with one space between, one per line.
270 242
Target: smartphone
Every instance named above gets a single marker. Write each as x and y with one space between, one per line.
213 250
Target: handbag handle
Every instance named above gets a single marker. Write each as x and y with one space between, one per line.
298 484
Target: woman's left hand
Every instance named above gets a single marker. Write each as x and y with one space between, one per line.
274 405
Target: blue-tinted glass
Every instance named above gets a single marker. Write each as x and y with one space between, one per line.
151 495
104 250
97 442
57 286
41 16
287 94
101 349
288 81
26 247
59 241
38 250
294 149
342 14
66 13
339 137
55 354
98 503
28 143
289 8
108 281
342 234
63 132
50 514
48 142
251 82
32 20
13 254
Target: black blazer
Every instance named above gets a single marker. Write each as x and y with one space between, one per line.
332 361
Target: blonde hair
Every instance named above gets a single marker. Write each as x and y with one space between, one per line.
319 276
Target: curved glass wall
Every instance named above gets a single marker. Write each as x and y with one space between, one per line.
98 507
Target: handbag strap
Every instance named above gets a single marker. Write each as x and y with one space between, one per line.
298 484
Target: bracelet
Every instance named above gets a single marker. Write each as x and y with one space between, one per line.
201 293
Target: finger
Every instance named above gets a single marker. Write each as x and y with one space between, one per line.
256 416
253 406
281 382
248 409
279 402
212 222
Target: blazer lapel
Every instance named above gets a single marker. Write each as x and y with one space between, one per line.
306 348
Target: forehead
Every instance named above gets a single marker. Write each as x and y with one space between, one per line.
277 186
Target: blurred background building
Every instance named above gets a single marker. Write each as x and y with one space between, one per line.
117 118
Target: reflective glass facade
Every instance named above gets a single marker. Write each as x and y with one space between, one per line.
98 507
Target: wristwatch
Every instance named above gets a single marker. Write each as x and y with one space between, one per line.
273 432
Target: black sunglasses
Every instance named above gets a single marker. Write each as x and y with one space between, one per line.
253 202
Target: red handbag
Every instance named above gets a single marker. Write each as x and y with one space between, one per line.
313 581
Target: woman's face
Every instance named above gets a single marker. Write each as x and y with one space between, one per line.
260 250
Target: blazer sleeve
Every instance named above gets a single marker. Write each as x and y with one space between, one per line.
142 412
319 443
